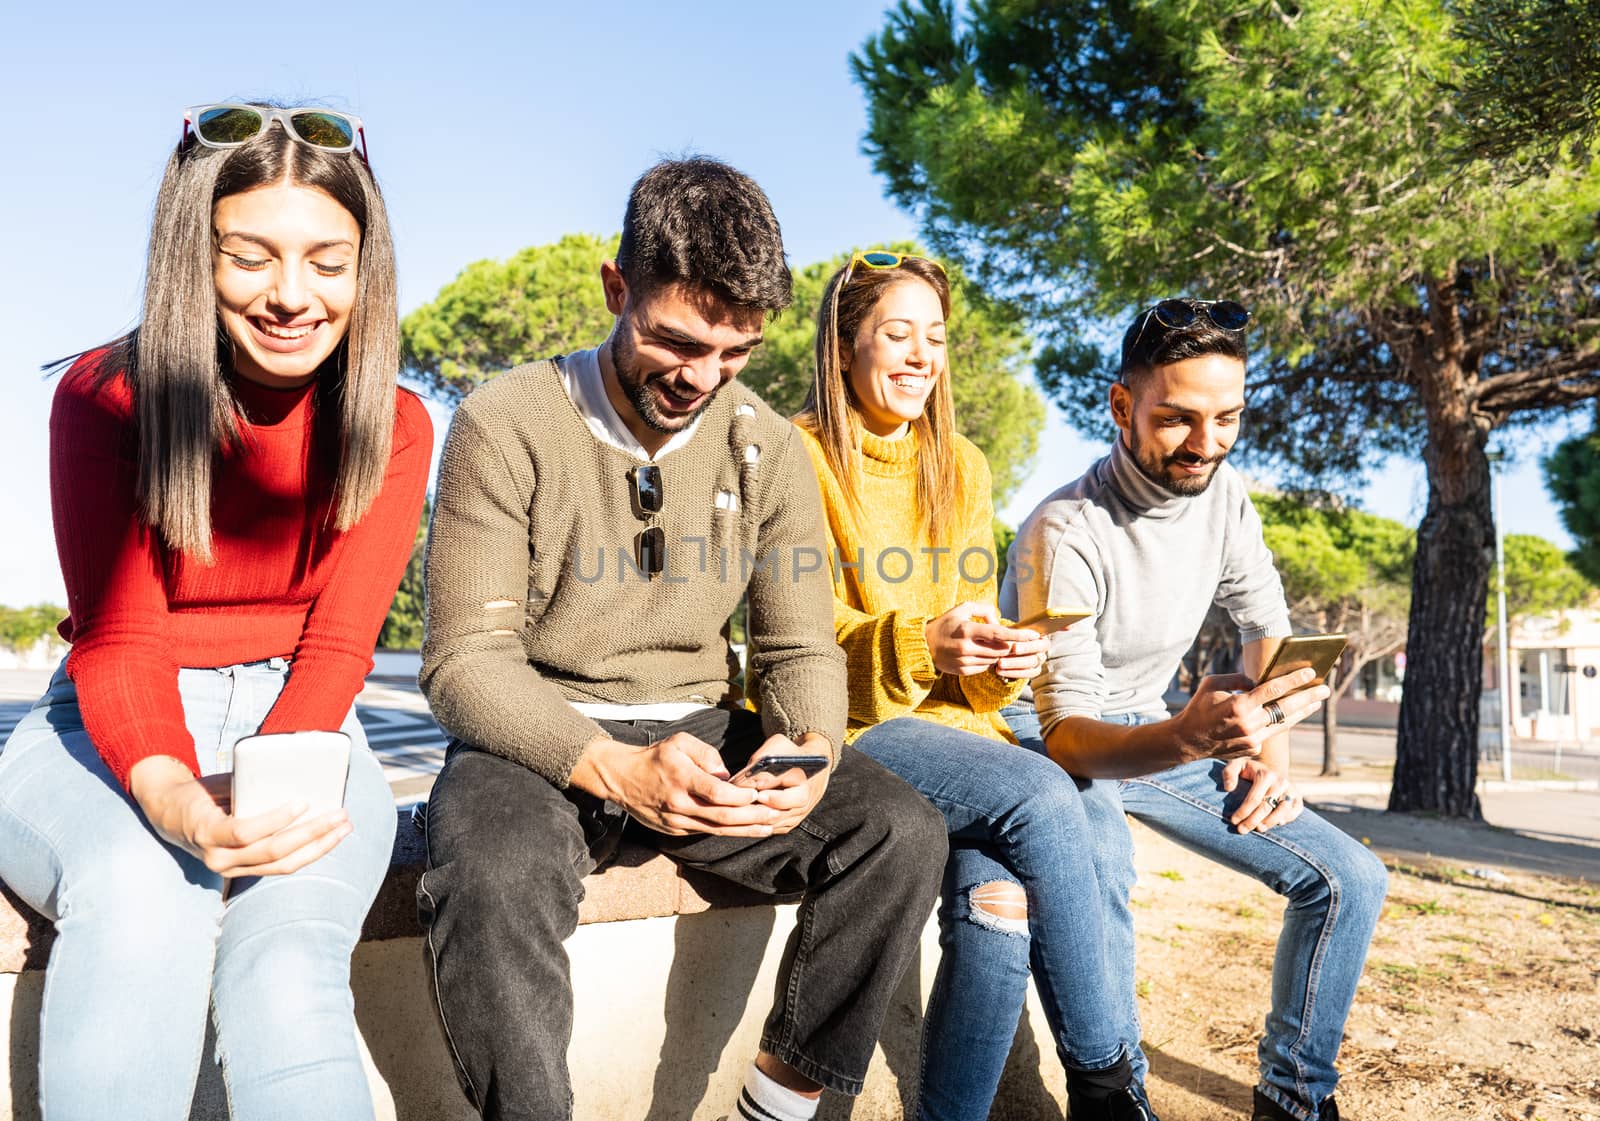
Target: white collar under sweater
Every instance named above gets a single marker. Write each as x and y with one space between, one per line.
585 384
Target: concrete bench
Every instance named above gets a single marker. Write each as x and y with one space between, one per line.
674 973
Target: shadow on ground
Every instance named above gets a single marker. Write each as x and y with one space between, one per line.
1423 840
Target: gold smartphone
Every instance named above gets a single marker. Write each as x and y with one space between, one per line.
1319 651
1054 619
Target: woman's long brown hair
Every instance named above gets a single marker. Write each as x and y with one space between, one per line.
832 414
176 360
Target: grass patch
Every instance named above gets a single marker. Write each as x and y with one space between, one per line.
1404 972
1431 907
1171 874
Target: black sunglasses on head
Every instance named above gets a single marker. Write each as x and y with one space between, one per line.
1176 314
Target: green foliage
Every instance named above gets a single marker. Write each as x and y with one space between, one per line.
1572 473
1004 535
1530 94
21 627
1539 579
1328 555
988 350
498 314
546 300
1343 570
1088 157
402 628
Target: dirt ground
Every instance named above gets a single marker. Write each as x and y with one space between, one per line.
1481 998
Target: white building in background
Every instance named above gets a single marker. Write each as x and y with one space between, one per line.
1555 676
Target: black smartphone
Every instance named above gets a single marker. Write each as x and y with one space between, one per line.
779 764
1319 651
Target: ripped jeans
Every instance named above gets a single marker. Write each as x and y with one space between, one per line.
1014 818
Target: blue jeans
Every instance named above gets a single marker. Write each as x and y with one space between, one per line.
1334 888
1013 818
145 942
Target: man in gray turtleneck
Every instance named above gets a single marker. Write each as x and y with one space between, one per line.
1146 541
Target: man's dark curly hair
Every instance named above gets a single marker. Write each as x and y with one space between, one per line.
703 224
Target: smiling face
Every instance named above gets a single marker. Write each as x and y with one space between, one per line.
897 356
669 353
1180 420
284 263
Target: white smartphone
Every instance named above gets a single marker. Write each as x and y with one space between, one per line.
289 767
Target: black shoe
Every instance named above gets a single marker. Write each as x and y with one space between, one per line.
1089 1103
1268 1110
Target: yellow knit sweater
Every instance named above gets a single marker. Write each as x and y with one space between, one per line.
881 606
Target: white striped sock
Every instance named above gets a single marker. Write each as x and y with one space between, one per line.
762 1099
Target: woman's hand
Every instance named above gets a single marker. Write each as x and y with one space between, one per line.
191 814
1024 660
966 639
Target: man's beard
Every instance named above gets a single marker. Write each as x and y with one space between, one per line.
635 385
1157 468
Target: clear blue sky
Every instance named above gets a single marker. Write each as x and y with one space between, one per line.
492 127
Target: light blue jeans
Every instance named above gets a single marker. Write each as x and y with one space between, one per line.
1013 817
145 942
1333 886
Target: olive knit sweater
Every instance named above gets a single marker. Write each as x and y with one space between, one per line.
890 582
534 600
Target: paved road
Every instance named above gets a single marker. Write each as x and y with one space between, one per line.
402 733
411 748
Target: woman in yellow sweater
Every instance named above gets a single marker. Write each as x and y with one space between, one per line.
931 665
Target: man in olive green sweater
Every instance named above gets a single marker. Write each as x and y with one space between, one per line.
598 518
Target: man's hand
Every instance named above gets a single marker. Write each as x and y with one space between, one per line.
792 795
967 639
190 813
1271 800
677 786
1230 717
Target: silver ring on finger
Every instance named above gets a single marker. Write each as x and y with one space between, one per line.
1277 799
1274 713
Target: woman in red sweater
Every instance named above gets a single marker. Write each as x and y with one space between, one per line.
236 486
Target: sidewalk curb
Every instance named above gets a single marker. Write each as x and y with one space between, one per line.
1312 789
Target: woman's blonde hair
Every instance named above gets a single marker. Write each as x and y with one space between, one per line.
832 414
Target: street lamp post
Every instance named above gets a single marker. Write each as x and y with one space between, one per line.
1504 660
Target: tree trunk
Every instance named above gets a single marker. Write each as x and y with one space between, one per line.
1436 754
1330 733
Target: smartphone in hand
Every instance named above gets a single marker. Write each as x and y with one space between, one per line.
1053 619
778 765
1319 651
289 767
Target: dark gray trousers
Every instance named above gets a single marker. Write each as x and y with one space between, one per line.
507 853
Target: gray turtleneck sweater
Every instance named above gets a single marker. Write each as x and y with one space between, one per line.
1149 564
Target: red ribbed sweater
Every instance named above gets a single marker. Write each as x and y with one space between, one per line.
283 582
